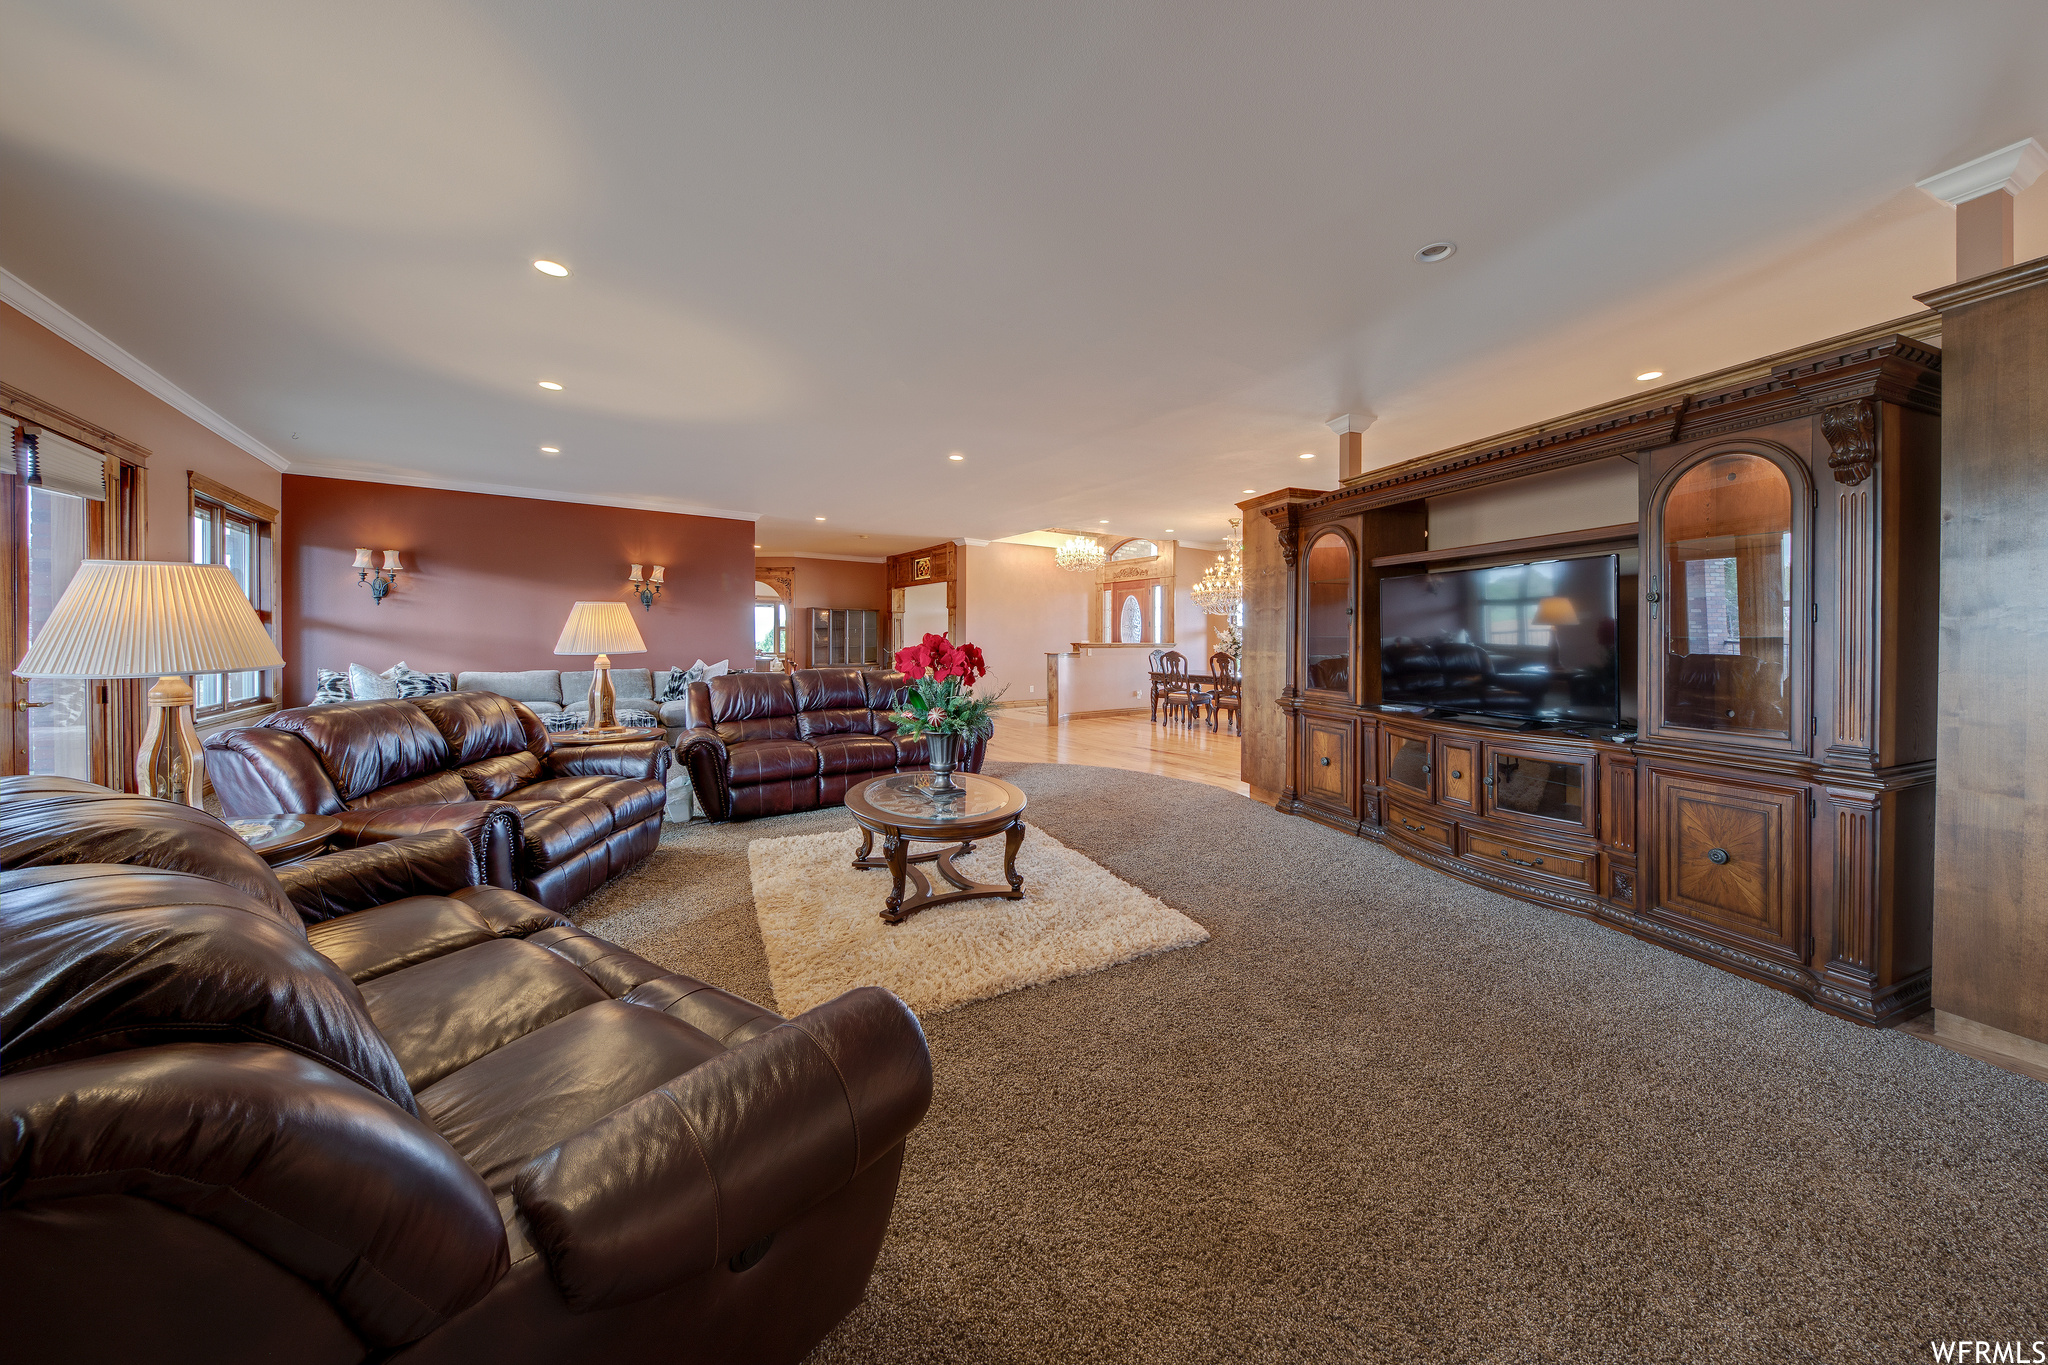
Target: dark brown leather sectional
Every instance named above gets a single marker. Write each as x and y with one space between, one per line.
771 743
376 1112
555 826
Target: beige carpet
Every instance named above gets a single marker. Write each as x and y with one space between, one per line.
822 928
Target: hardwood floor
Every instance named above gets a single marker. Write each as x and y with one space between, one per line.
1194 753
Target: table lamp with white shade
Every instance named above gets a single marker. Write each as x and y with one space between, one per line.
123 618
603 629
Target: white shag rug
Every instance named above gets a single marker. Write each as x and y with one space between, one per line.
822 926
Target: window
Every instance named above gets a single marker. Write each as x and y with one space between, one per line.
1134 549
227 529
771 620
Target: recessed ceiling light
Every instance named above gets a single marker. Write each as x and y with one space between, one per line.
1251 490
1103 522
550 450
757 547
1308 454
551 268
1648 375
1436 251
956 455
1169 530
550 384
817 518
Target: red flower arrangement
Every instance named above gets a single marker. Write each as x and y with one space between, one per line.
941 675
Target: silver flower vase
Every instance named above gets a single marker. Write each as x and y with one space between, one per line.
943 749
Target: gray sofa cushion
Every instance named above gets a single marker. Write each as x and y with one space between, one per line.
673 713
626 682
533 685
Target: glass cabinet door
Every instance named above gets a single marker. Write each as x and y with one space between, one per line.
1725 597
1408 763
1533 787
1326 634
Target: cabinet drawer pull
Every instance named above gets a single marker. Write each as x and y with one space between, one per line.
1456 775
1717 855
1519 862
1419 829
1326 760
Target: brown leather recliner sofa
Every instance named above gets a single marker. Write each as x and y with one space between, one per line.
555 826
771 743
338 1118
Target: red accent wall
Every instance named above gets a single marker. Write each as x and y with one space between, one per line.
489 580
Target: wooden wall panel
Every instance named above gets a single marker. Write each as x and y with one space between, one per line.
1991 784
1268 648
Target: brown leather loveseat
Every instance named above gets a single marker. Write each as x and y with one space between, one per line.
447 1126
772 743
555 826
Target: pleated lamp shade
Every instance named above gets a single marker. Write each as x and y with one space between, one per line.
125 618
600 628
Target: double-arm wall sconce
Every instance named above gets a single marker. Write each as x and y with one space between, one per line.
377 580
649 587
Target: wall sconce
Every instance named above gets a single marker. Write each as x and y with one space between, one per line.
377 580
649 588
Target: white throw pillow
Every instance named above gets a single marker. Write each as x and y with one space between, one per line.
365 685
717 670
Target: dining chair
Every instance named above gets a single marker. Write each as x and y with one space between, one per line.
1227 691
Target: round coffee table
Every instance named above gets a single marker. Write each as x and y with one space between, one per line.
903 809
281 839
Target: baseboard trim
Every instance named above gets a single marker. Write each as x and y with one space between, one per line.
1091 715
1970 1036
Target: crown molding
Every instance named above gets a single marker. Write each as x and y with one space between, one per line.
2026 275
35 304
2011 169
813 554
407 478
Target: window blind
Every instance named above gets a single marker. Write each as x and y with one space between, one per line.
60 465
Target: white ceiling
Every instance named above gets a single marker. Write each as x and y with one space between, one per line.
1126 258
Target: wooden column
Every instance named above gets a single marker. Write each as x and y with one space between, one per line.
1991 785
1271 543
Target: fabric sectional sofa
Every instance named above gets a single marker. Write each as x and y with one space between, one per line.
553 825
395 1116
771 743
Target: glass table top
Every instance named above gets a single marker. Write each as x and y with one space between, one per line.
277 827
911 794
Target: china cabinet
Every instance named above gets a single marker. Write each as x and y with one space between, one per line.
1766 802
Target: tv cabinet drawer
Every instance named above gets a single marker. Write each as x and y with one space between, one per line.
1529 860
1417 828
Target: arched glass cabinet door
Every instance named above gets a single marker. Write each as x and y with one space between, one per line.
1723 590
1326 633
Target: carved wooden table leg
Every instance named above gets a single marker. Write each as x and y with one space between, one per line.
1013 839
898 851
865 857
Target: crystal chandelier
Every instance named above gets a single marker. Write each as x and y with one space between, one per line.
1081 555
1220 589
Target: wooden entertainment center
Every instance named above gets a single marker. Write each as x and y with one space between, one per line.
1771 812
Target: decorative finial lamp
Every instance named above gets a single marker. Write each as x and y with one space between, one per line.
135 619
603 629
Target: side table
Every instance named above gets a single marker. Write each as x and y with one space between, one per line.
281 839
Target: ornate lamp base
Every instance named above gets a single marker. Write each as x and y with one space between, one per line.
603 703
170 764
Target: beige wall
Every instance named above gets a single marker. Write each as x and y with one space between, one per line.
43 364
1020 607
1598 493
1100 679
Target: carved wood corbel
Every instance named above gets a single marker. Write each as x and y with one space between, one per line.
1286 519
1851 433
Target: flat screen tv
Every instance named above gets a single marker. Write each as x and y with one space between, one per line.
1537 642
